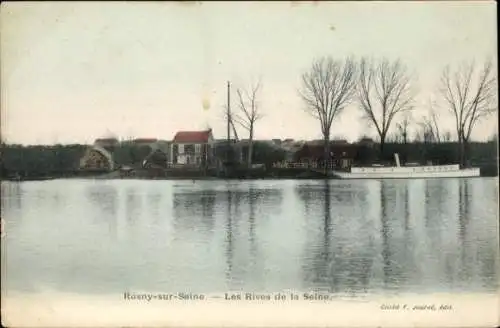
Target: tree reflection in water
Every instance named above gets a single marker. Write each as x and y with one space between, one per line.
104 199
340 256
194 210
229 238
245 207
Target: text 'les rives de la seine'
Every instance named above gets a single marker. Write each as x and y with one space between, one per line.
227 296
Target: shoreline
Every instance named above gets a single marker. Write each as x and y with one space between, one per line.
143 174
198 178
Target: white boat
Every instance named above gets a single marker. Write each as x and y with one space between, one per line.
407 172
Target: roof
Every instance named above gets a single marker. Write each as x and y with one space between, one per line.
106 140
293 146
192 136
316 150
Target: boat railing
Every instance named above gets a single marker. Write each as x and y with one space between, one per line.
305 165
440 168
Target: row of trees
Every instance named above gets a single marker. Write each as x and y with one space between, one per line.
384 93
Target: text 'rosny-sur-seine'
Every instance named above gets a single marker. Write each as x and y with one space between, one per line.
228 296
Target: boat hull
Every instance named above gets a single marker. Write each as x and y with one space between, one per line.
423 172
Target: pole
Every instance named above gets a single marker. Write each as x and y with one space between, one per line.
228 119
228 111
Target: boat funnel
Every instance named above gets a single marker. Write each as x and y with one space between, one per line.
396 158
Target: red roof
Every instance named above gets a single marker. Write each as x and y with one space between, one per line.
192 136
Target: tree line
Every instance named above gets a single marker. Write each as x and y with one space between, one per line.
64 160
384 92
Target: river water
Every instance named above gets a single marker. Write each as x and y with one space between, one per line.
102 237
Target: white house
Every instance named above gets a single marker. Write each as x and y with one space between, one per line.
192 147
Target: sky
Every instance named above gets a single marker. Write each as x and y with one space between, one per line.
75 71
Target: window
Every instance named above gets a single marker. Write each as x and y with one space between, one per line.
197 148
181 149
189 149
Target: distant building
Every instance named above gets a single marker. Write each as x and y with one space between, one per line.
144 141
193 147
291 148
341 153
106 143
97 158
366 141
339 141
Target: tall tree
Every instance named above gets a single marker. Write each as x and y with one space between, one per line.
248 114
383 91
327 88
470 95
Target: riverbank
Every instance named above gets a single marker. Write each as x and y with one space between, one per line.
47 162
274 174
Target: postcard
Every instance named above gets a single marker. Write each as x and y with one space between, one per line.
249 164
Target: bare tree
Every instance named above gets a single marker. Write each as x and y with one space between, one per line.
433 120
469 94
327 88
383 90
248 114
427 131
429 127
402 128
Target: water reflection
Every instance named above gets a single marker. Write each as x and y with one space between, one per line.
247 211
194 210
12 199
317 199
229 238
341 236
333 260
153 204
385 233
253 199
463 219
104 204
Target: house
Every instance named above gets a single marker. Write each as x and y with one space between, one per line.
341 153
97 158
193 148
291 148
277 141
